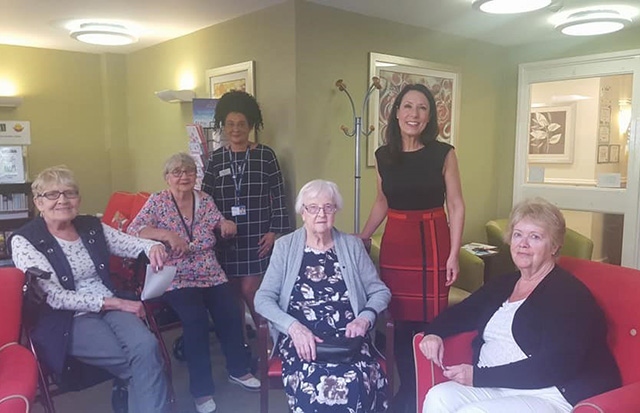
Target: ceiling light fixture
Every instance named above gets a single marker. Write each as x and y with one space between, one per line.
593 22
510 6
105 34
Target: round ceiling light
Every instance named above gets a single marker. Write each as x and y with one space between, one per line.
104 34
510 6
592 23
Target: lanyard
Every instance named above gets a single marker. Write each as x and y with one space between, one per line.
237 173
188 229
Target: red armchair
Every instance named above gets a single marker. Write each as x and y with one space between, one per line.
616 290
18 374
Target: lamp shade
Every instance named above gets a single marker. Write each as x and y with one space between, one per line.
10 101
176 96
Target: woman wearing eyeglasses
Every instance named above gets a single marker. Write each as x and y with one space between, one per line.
322 285
186 220
245 181
82 317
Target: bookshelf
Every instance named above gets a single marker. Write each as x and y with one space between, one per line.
16 208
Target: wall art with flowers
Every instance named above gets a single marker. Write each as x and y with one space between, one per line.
395 73
551 134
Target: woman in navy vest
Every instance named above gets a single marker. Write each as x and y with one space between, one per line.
83 317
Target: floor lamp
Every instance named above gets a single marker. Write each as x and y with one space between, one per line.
357 132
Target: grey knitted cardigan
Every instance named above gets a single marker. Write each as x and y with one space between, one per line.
360 275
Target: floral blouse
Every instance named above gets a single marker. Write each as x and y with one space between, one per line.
90 292
199 267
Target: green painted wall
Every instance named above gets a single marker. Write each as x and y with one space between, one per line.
332 44
63 100
98 113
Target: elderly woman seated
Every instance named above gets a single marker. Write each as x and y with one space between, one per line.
82 317
542 338
321 288
186 220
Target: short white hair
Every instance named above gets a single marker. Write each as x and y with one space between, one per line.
315 188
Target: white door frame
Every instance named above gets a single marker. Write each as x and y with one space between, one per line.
592 199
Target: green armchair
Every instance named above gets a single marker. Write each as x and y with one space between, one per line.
575 245
471 275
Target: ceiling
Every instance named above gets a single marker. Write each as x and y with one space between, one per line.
40 23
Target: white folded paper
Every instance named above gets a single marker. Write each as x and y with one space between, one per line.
157 282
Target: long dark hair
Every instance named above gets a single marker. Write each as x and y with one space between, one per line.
239 102
393 136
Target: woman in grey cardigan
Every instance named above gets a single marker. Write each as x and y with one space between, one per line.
321 284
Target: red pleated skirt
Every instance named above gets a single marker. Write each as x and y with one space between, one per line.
413 256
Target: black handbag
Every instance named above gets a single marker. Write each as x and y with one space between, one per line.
338 350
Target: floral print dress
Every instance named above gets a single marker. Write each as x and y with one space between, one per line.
320 301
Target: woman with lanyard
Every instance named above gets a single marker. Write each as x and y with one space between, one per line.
245 181
186 221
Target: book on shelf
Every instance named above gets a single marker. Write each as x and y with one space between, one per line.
4 215
481 250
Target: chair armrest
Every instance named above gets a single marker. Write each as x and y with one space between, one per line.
457 350
389 333
621 400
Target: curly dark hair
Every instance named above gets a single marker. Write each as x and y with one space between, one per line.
239 102
393 136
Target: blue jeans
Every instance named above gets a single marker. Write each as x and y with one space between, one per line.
192 305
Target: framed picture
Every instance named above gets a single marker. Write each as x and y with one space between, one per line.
551 134
603 134
397 72
614 153
603 153
239 76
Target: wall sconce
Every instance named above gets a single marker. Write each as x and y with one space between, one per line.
10 101
176 96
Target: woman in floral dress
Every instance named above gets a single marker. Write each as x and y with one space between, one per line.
321 284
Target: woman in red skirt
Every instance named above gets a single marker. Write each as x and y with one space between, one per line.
421 243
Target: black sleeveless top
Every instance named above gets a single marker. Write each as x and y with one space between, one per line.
415 182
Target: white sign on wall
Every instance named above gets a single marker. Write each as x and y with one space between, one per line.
16 132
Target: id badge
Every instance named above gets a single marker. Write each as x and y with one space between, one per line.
238 210
225 172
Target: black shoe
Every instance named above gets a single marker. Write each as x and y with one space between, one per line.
120 396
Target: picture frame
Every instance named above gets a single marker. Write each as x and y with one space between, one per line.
603 153
239 76
551 134
614 153
603 134
395 73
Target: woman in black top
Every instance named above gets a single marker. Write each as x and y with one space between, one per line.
420 246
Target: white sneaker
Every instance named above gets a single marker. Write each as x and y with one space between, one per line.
207 407
251 383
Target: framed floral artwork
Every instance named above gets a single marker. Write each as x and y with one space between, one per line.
239 76
551 134
603 153
395 73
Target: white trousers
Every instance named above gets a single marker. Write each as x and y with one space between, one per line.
452 397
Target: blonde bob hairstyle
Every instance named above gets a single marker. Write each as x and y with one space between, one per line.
316 188
56 175
179 160
543 213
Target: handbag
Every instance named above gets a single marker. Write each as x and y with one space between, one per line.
338 350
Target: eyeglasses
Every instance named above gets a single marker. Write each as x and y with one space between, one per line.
179 172
314 209
239 125
54 195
